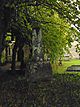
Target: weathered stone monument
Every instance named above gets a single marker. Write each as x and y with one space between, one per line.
39 69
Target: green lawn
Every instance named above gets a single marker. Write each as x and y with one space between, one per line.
65 64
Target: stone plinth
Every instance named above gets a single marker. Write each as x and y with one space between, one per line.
40 71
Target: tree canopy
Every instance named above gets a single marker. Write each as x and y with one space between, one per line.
31 8
55 17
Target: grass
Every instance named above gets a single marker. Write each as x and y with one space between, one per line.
65 65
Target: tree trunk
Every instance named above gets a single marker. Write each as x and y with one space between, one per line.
0 58
14 57
22 59
0 48
6 54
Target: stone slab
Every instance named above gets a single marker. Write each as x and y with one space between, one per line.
73 68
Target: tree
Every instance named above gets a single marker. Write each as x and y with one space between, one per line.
23 15
56 36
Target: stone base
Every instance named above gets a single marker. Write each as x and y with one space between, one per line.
40 72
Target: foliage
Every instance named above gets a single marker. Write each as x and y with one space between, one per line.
8 38
22 16
57 32
66 8
69 9
56 36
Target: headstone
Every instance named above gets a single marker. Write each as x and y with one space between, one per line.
39 69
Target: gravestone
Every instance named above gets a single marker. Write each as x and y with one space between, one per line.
39 69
